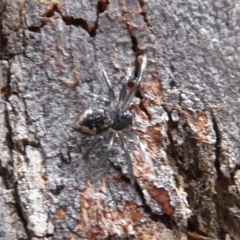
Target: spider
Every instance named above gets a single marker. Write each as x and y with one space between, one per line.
115 117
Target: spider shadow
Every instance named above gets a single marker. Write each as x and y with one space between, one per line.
97 158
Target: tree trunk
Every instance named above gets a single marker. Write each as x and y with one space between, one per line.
186 116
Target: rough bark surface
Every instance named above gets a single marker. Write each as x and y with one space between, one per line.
187 117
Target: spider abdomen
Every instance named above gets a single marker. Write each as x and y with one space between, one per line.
94 121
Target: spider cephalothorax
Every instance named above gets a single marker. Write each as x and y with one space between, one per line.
121 119
116 117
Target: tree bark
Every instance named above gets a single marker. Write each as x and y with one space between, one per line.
186 116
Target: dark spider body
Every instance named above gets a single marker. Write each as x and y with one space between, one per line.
96 121
121 119
117 118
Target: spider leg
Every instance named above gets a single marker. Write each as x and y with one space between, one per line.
95 142
129 161
123 91
109 148
144 154
110 88
135 87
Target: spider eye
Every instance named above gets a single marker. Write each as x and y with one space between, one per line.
126 117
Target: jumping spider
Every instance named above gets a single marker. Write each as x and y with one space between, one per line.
117 118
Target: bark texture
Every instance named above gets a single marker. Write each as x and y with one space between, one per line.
187 117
